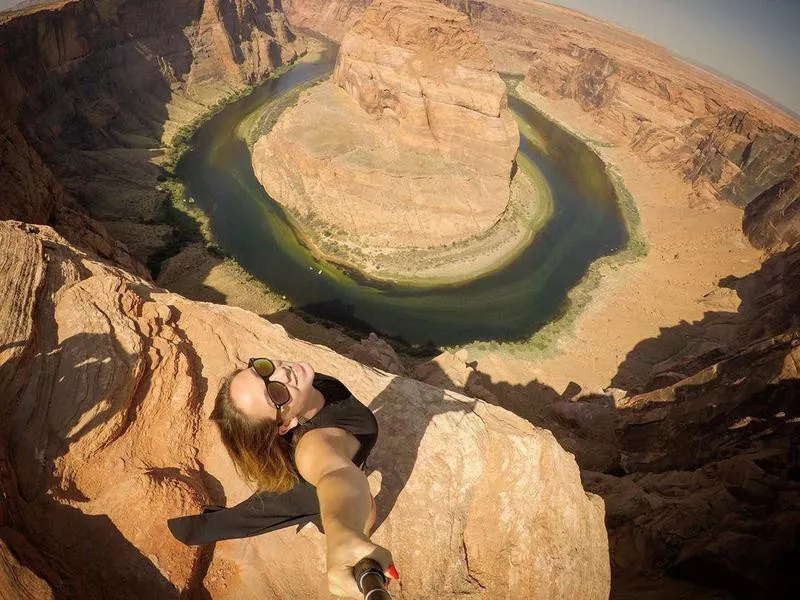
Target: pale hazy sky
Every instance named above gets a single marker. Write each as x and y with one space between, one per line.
754 41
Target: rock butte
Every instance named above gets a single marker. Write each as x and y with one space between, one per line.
410 144
112 374
624 91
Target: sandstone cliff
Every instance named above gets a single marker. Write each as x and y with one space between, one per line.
330 18
703 485
107 383
410 144
424 66
91 92
729 144
727 153
772 219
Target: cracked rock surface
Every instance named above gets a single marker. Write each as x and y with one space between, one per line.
107 383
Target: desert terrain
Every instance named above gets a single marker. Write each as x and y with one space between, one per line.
642 445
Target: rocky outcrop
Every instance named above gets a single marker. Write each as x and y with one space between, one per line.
107 383
772 219
376 352
410 145
423 66
701 475
331 18
711 494
728 148
591 83
726 153
90 91
17 581
32 192
730 144
741 156
334 18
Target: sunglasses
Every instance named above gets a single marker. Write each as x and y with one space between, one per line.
276 390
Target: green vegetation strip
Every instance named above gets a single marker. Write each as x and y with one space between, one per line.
260 121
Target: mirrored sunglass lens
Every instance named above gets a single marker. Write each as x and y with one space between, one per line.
264 367
278 392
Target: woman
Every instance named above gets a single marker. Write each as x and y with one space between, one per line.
302 439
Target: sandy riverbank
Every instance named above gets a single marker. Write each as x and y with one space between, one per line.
691 248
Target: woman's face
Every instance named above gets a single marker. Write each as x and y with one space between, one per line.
249 392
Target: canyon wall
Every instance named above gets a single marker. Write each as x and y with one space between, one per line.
92 91
726 151
772 219
107 383
729 144
331 19
699 465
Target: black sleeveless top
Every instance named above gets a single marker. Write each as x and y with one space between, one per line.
268 511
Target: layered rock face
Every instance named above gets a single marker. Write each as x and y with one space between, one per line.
333 19
91 91
424 66
698 465
772 219
410 145
706 488
731 145
107 383
727 153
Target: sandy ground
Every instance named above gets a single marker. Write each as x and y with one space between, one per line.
691 249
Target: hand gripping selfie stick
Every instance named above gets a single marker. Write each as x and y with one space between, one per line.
371 580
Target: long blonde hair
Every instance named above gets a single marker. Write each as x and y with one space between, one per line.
260 454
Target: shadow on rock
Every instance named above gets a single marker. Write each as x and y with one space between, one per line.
770 305
699 464
79 395
707 503
87 552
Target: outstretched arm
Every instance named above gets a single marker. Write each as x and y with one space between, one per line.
324 459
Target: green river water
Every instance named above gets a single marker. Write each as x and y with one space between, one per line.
507 305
